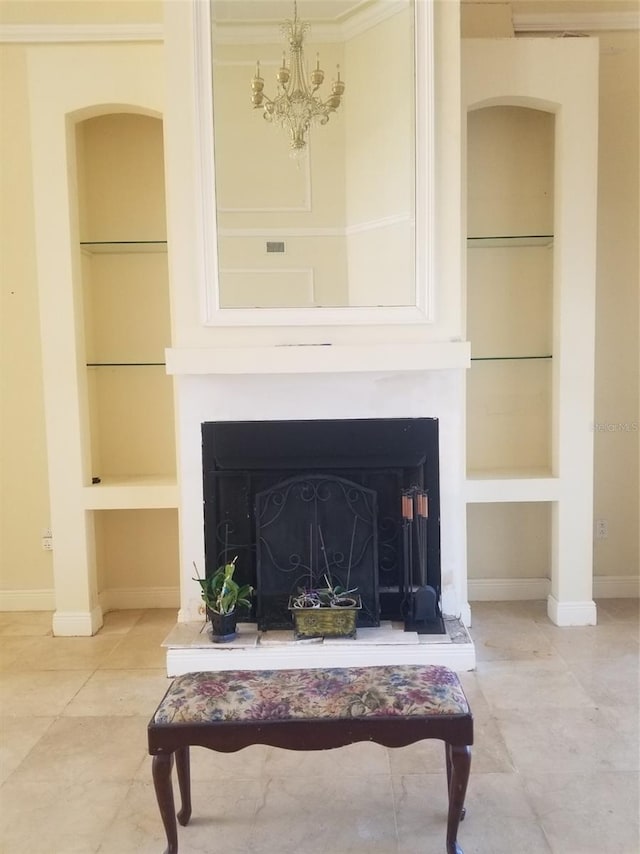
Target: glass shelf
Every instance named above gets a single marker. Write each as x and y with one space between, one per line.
126 364
141 492
509 358
123 247
494 241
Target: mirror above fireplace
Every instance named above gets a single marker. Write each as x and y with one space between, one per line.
341 235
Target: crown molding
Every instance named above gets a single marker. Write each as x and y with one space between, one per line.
74 33
572 23
321 32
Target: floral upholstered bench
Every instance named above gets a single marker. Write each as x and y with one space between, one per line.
309 710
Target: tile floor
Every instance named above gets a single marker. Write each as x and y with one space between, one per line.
555 766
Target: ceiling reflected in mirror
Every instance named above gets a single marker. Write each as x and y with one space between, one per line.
334 225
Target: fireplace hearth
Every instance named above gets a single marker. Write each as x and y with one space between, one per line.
303 503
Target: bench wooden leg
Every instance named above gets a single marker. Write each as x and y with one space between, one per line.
184 783
458 766
161 767
447 754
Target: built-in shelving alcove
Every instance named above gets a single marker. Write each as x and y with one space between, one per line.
510 153
125 298
531 152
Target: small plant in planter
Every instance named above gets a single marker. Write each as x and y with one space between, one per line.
329 611
331 596
221 596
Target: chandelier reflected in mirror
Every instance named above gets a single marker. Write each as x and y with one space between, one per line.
296 105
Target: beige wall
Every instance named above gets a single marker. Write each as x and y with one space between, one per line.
508 541
24 498
38 12
23 467
617 399
136 549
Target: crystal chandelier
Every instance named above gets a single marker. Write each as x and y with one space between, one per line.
296 104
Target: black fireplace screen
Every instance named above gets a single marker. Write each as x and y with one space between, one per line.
315 531
248 467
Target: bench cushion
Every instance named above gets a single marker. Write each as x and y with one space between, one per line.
327 693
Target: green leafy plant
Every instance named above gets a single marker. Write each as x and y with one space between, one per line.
331 596
220 593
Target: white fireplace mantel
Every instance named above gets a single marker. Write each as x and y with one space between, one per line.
319 358
324 394
328 364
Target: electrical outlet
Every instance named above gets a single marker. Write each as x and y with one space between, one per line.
47 540
602 529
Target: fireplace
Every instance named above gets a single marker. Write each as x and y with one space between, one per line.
310 503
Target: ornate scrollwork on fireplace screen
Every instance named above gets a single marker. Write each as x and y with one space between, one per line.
315 531
241 294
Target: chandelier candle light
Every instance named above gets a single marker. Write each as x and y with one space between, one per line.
296 105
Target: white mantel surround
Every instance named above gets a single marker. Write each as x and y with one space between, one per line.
319 394
379 362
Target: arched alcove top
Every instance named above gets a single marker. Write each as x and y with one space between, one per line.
525 101
97 110
541 73
510 171
120 187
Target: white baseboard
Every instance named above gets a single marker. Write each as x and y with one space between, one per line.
124 599
515 589
135 598
616 587
507 589
27 600
77 623
480 590
571 613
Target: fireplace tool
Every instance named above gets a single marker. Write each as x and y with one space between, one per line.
420 600
406 603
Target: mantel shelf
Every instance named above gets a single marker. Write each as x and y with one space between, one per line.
318 359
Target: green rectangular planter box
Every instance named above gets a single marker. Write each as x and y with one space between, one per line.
329 622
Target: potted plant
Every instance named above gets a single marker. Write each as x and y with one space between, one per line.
328 612
222 596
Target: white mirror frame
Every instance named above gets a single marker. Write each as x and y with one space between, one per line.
422 311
